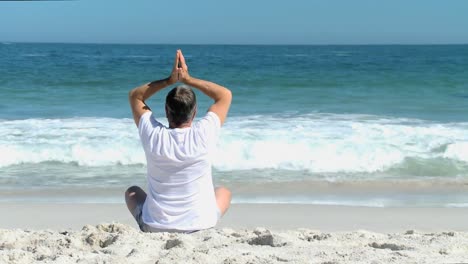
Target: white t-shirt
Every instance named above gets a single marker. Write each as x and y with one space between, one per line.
180 185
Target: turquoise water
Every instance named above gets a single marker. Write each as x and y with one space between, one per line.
301 114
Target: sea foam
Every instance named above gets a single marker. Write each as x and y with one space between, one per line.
326 143
84 141
317 143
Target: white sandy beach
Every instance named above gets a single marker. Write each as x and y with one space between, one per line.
249 233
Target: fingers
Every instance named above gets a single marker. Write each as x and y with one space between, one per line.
180 69
182 60
176 62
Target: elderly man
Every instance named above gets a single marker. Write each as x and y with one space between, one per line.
181 196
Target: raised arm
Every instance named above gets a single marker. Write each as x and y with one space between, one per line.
221 95
139 95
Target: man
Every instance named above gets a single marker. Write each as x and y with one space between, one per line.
181 196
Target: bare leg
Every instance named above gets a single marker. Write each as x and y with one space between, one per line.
133 197
223 199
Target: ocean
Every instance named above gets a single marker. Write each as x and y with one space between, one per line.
343 125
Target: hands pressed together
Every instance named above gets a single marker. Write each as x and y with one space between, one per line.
179 70
221 95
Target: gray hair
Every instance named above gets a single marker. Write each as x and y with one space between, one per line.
181 103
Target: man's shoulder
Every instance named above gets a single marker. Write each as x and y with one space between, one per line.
148 126
210 119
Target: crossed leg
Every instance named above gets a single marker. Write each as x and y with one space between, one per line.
223 199
134 196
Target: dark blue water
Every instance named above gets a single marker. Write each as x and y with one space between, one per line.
66 80
300 113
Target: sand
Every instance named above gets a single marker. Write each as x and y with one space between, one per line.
55 233
119 243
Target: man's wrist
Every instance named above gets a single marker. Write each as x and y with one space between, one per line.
168 81
189 80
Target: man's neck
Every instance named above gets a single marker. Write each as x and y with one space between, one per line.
184 125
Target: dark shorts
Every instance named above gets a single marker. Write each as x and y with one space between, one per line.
138 215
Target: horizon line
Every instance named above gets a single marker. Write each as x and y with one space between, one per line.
238 44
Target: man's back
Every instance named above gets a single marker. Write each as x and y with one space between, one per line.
180 186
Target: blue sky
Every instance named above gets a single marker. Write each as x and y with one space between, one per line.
237 22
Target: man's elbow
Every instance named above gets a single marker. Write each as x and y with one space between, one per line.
228 95
135 94
132 93
225 96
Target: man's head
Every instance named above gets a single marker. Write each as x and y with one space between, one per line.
181 105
